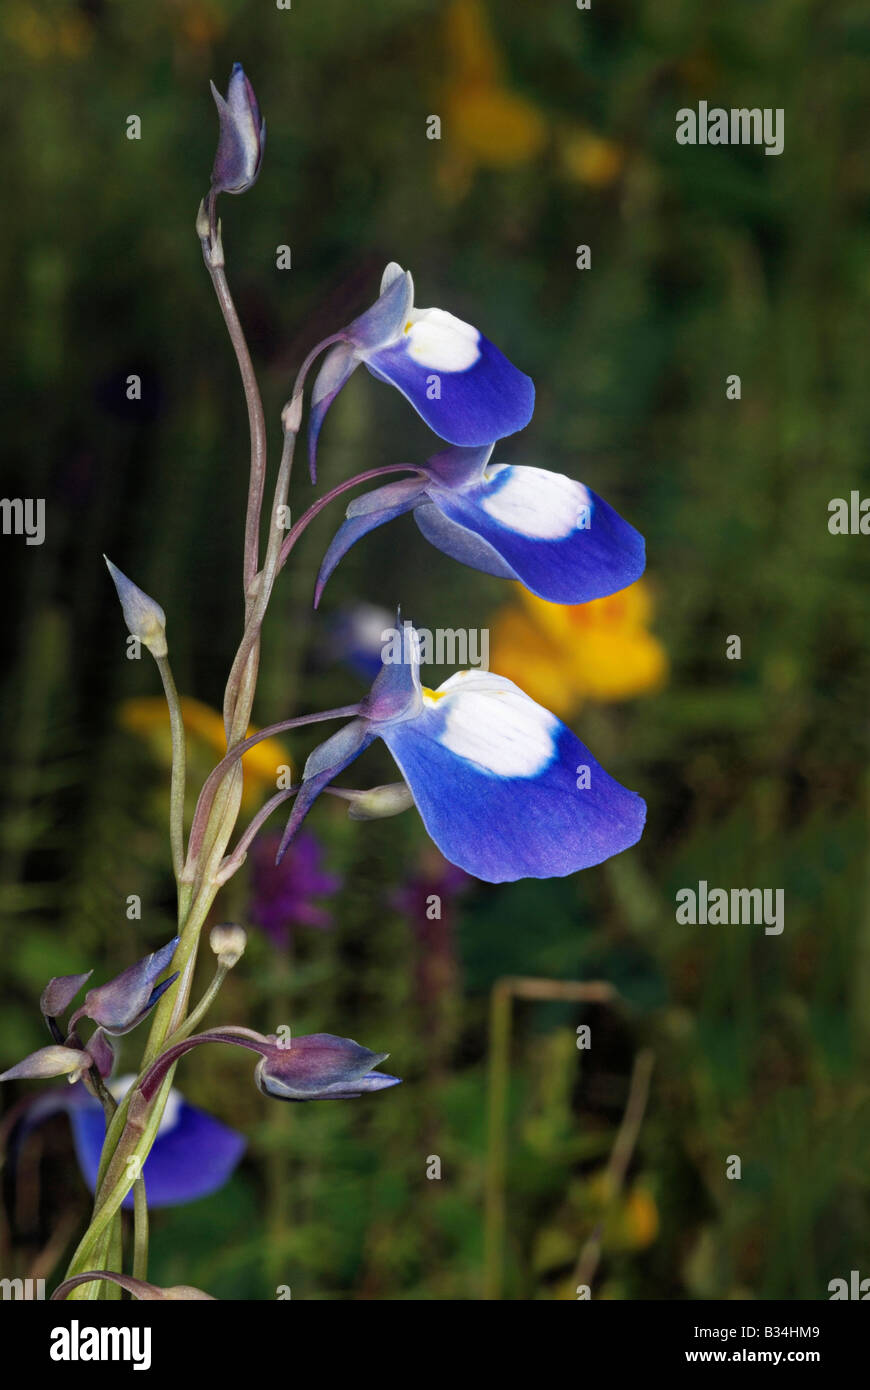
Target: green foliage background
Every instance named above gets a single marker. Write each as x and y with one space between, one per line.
705 262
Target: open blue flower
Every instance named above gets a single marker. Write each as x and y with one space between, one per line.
554 535
504 788
193 1155
461 385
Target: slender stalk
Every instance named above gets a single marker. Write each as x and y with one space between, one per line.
259 592
140 1230
235 860
620 1157
308 516
201 1009
179 764
214 260
496 1162
213 781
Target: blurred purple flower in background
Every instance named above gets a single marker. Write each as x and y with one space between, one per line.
429 899
283 896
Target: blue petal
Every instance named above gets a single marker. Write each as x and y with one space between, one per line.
485 401
191 1160
459 543
364 515
338 365
387 316
503 827
581 550
325 763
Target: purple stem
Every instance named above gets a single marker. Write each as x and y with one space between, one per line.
212 782
307 516
237 1037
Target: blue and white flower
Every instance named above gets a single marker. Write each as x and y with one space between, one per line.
193 1155
560 539
455 378
504 788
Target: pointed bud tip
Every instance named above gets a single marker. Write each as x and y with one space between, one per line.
60 992
144 617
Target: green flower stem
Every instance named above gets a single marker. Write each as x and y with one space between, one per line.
179 759
140 1230
139 1133
500 1018
236 708
133 1127
199 1012
114 1258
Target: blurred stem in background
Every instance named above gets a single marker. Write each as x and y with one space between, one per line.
500 1025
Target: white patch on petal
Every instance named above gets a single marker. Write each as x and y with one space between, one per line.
534 502
169 1119
441 341
489 720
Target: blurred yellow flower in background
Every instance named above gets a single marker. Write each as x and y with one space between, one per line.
148 717
488 125
590 159
66 33
562 654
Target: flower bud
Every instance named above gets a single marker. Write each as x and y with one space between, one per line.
242 136
145 619
378 802
228 941
60 992
123 1003
320 1066
50 1061
102 1052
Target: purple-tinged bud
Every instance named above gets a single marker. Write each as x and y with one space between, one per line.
315 1066
102 1052
320 1066
145 619
50 1061
228 941
60 992
242 136
123 1003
